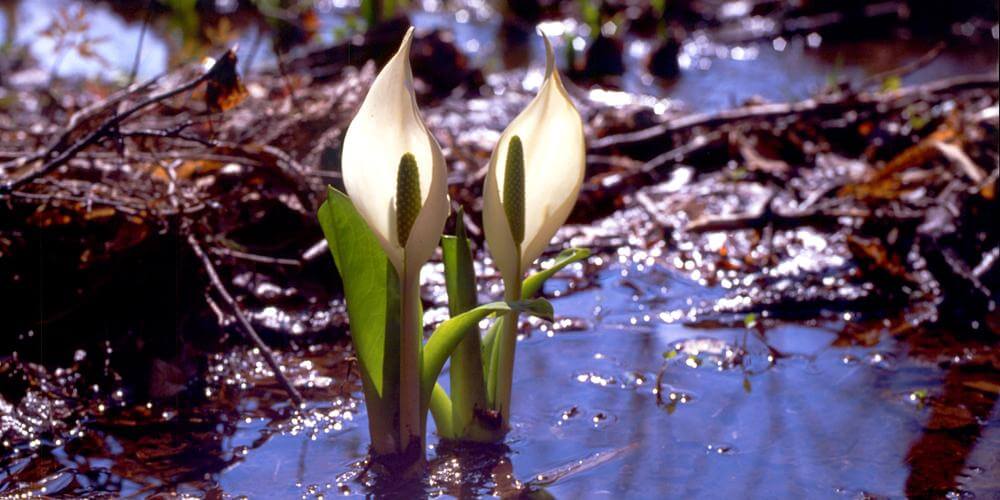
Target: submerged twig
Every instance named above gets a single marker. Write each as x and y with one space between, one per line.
248 329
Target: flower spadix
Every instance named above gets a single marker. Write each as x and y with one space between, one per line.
534 176
393 168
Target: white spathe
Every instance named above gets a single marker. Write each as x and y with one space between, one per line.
387 126
551 133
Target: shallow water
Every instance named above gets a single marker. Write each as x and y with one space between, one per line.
638 390
780 410
822 421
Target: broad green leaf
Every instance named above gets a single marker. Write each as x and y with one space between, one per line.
371 288
533 284
447 336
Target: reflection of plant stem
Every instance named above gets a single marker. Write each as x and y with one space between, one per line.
409 359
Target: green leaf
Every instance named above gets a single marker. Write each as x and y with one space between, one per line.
459 273
445 339
488 342
440 407
468 385
491 353
529 288
533 284
371 288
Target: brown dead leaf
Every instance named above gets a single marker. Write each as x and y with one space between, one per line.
873 256
887 183
99 213
224 89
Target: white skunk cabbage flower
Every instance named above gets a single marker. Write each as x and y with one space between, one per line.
393 168
545 171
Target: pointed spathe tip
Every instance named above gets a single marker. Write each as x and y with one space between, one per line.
404 47
550 56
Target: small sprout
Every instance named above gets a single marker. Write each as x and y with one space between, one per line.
919 396
918 121
893 82
671 354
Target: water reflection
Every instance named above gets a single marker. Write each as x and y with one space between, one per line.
813 425
787 411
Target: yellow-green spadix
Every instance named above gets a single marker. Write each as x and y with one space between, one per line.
548 159
384 142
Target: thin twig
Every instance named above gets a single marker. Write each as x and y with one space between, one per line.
315 251
905 69
175 133
285 78
142 36
109 125
248 329
657 133
75 121
252 257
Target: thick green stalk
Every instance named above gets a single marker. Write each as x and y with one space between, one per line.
411 418
513 205
411 335
506 345
380 420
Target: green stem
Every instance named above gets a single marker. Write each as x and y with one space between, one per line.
380 426
411 331
468 386
507 343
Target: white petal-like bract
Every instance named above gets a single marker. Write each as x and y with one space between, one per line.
551 133
387 126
